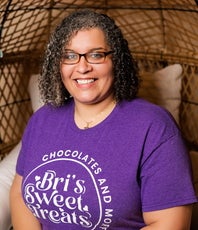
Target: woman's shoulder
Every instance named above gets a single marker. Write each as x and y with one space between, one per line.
50 113
145 108
144 113
53 110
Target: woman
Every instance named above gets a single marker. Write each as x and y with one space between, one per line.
95 156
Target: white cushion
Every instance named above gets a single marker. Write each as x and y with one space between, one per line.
34 92
7 171
8 165
163 87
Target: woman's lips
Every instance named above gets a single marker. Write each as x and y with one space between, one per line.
84 81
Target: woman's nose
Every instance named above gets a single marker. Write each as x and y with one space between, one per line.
83 66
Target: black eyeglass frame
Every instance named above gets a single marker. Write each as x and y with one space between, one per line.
85 56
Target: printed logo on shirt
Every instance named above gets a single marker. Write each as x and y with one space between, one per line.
67 188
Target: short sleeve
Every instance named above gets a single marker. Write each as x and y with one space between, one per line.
166 178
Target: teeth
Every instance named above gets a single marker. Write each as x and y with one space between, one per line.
85 81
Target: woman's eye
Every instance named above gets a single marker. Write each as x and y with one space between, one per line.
96 55
70 56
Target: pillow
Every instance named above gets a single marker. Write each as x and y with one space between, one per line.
7 170
163 87
34 92
8 164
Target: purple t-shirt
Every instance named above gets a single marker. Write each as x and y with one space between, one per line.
106 176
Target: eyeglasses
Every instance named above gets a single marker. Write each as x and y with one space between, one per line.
71 58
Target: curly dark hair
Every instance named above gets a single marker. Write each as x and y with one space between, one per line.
126 78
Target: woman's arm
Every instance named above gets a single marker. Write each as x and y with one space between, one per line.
22 218
177 218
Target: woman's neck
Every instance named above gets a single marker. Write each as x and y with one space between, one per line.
89 115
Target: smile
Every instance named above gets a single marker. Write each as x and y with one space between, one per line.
84 81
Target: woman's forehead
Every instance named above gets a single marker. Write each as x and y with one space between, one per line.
86 37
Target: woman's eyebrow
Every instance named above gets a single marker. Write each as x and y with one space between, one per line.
90 50
69 50
98 48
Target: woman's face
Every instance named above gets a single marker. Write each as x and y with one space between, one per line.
88 83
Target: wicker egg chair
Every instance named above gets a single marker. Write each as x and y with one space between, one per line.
160 33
